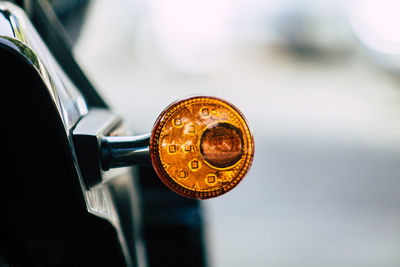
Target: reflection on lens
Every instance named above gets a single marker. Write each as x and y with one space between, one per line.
222 145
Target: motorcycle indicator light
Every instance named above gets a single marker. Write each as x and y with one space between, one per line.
201 147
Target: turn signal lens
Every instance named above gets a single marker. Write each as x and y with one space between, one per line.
201 147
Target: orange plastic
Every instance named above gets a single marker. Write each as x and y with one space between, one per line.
201 147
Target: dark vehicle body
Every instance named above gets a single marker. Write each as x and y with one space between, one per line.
54 210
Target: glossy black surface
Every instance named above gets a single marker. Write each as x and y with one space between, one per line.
44 219
60 43
122 151
87 137
54 218
50 216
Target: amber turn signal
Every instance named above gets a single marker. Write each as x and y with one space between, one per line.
201 147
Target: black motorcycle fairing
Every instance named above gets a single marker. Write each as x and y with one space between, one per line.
44 217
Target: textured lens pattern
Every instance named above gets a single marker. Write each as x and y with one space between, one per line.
201 147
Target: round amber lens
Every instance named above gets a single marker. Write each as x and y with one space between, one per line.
201 147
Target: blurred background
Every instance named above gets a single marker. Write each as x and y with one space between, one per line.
319 83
